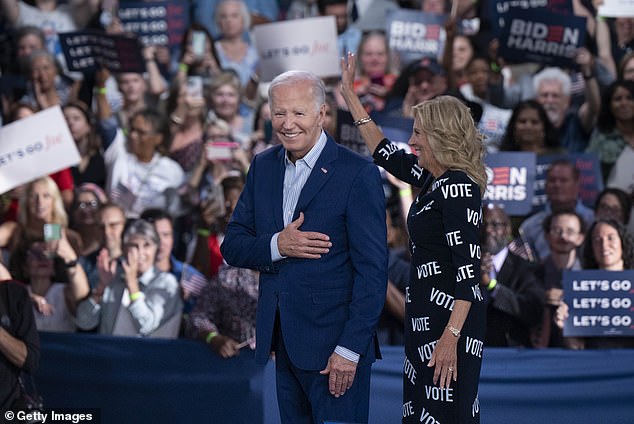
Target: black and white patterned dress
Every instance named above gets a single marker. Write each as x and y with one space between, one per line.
443 224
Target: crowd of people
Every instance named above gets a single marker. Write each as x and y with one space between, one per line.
127 241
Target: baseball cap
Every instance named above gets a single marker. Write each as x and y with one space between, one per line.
427 63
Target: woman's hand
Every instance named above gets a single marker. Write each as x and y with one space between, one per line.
115 26
193 102
64 250
131 270
348 70
211 210
445 359
149 53
188 57
42 306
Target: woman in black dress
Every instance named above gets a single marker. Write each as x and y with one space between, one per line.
445 315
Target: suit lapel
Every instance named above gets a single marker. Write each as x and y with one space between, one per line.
318 176
277 189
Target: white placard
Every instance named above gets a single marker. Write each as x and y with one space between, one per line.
300 44
35 146
616 8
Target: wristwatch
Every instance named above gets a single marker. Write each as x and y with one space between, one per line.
71 264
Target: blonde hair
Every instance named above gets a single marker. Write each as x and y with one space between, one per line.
453 137
59 213
229 78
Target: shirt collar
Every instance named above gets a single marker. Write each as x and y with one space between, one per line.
310 159
499 258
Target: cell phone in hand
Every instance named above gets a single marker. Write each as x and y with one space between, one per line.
377 80
195 87
220 150
52 232
198 43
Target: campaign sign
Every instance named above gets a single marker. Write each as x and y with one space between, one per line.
499 10
599 303
413 34
348 135
616 8
85 51
397 129
590 177
543 37
35 146
510 179
303 44
160 23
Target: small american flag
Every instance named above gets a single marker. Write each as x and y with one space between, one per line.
192 281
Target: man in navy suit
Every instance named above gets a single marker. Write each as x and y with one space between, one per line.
311 219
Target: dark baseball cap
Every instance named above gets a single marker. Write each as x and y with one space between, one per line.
427 63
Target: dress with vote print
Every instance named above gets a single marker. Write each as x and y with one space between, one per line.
443 224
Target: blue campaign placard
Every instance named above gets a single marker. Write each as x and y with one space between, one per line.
589 175
499 10
599 303
160 23
413 34
86 51
542 37
510 181
397 129
348 135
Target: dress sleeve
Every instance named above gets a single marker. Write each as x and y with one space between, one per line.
462 215
399 163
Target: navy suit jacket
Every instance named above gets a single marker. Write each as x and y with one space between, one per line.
334 300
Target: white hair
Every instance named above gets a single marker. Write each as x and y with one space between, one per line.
293 77
553 74
244 11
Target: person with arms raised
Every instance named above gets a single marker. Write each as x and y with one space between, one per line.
445 312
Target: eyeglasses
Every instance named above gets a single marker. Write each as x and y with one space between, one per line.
495 224
140 132
85 205
568 232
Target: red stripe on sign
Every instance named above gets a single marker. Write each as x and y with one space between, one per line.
501 175
555 33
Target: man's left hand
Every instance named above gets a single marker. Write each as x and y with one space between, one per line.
341 372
